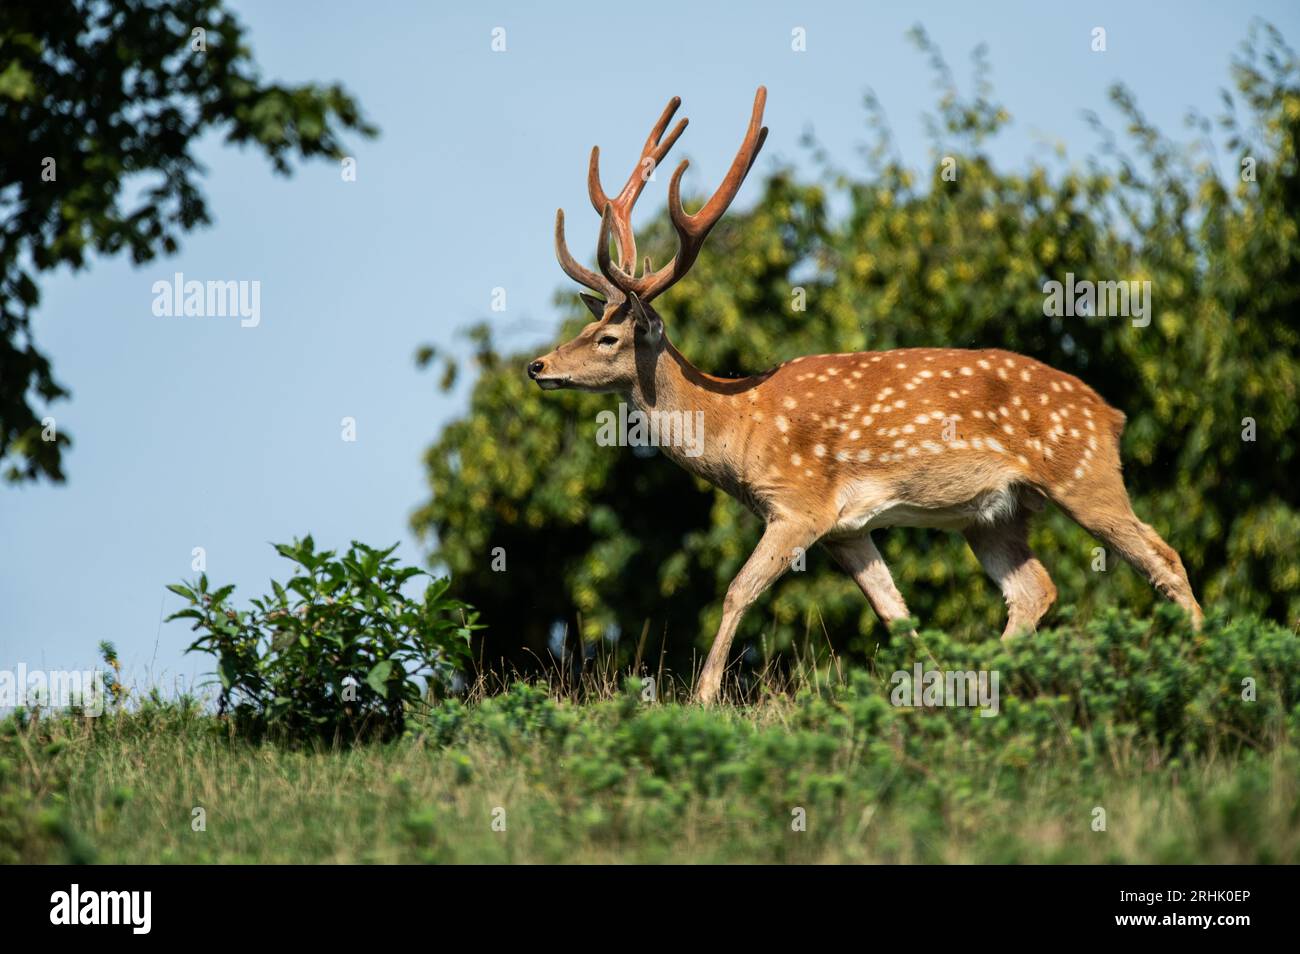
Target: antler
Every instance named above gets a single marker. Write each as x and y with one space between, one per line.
691 229
654 150
617 281
580 274
652 153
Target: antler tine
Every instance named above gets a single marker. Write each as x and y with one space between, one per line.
693 229
608 223
578 272
655 149
703 220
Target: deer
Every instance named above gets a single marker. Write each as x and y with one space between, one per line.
829 448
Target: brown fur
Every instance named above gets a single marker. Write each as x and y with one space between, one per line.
829 447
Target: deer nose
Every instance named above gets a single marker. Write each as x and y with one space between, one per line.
535 369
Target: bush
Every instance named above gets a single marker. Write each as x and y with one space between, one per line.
338 651
1140 717
1083 697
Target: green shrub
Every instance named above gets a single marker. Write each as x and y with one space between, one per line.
1140 717
1075 699
336 653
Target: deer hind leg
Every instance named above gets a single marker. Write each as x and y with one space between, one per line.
862 561
1003 551
781 542
1101 506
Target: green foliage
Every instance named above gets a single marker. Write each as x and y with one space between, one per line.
115 94
113 688
1080 708
1138 717
336 652
1083 693
620 543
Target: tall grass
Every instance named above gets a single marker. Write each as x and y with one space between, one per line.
1135 723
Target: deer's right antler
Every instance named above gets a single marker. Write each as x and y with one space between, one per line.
652 153
618 280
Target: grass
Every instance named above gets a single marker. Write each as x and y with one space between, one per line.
1138 718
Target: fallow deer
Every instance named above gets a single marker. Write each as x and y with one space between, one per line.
830 447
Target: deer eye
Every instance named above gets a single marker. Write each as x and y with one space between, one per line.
607 340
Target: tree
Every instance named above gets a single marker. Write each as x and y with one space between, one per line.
100 104
606 542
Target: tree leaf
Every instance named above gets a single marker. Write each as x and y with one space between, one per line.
377 678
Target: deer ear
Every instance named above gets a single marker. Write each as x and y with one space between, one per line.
594 304
647 322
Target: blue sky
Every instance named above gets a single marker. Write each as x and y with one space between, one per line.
197 432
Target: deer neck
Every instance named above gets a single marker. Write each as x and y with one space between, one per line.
699 409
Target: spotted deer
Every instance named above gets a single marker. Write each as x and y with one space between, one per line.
827 448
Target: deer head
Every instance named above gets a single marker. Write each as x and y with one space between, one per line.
627 337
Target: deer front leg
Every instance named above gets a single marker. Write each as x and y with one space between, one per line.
781 542
861 560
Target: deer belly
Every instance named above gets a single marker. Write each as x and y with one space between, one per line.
869 512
